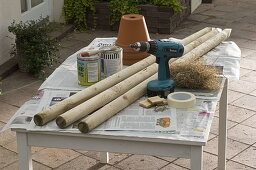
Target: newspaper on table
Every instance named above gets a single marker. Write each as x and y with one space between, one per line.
226 55
192 122
182 123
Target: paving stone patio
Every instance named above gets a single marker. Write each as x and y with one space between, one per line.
240 15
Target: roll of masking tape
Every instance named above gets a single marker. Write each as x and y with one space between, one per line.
181 100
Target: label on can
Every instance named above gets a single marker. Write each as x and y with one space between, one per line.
111 61
88 69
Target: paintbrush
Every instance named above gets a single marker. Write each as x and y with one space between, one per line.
94 52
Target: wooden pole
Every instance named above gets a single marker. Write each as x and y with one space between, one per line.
112 108
201 40
204 47
52 112
105 97
195 36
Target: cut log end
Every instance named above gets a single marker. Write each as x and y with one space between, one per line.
83 127
61 122
38 120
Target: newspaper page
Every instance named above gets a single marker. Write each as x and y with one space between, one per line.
140 119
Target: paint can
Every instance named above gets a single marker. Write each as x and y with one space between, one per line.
88 69
111 60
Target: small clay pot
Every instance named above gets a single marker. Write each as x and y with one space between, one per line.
132 29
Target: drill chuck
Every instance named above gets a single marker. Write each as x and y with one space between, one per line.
141 46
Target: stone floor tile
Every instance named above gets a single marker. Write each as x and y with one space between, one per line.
169 159
211 137
198 17
233 147
80 163
233 95
250 77
253 93
250 121
36 166
243 34
244 71
238 114
6 137
250 44
215 125
236 166
242 86
16 80
247 157
173 166
113 157
6 111
251 56
244 51
7 157
242 133
54 157
247 102
19 96
88 36
247 63
12 146
209 162
141 162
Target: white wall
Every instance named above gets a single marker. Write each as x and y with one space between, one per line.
57 11
9 11
195 4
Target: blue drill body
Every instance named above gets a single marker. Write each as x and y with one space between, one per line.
164 50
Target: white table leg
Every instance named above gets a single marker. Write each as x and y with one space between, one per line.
104 157
196 158
222 143
24 151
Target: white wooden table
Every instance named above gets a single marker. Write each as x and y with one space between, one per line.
105 143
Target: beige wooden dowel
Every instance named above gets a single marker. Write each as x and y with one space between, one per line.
52 112
201 40
105 97
114 107
204 47
196 35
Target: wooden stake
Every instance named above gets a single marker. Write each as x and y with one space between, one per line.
195 36
201 40
205 47
105 97
52 112
114 107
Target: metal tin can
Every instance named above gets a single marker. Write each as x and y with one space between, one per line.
88 69
111 61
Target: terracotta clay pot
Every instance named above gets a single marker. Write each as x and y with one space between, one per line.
132 29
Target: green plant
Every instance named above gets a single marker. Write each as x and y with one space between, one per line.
174 4
34 49
75 12
122 7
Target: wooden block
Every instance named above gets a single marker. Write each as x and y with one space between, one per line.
145 103
155 100
163 103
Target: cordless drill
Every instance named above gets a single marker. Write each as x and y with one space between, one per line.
164 50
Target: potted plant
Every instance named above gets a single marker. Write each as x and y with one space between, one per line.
33 48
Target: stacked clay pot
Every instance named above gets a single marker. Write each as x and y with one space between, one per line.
132 29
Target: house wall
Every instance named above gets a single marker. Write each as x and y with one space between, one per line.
57 11
9 11
195 4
